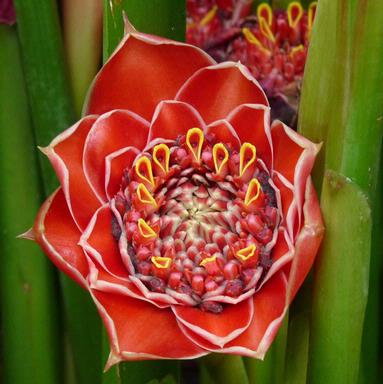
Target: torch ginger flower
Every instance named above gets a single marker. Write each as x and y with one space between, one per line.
272 44
191 222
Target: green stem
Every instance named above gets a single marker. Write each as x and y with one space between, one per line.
52 112
372 331
341 283
165 18
44 68
298 336
223 369
271 369
346 40
82 25
29 316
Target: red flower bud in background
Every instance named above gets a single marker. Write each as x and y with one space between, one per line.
189 219
7 12
271 43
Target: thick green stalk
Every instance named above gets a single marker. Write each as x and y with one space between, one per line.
165 18
82 27
298 336
224 369
44 68
340 284
271 369
29 316
52 112
159 17
372 331
344 108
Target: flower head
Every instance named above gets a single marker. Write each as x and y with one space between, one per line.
190 221
272 44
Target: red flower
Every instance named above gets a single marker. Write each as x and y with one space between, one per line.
271 43
191 222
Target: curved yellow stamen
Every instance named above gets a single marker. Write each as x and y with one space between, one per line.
195 151
310 16
298 48
265 29
209 16
207 260
145 229
294 20
245 253
220 163
265 12
250 37
165 151
144 195
253 191
146 163
244 165
161 262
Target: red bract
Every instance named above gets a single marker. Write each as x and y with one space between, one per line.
188 218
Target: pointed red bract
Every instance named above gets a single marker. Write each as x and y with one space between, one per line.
252 124
139 330
172 119
111 132
218 329
141 73
58 235
66 153
217 90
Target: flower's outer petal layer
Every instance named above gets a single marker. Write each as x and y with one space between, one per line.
143 71
281 254
99 243
215 91
252 124
218 329
103 281
112 131
65 153
138 330
288 202
269 310
173 118
115 164
224 132
294 158
58 235
308 241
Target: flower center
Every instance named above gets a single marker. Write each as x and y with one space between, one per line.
199 219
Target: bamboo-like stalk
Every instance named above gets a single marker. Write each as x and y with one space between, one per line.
29 315
225 369
271 369
298 336
159 17
82 28
45 74
370 371
344 108
52 112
